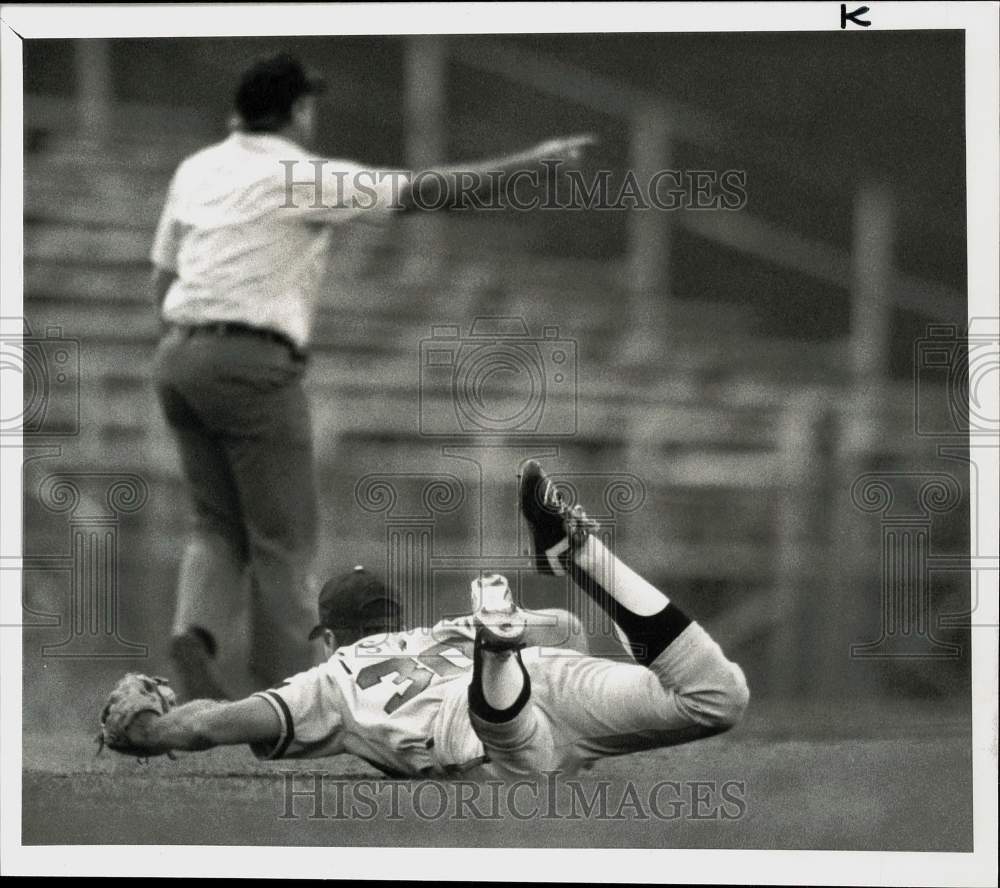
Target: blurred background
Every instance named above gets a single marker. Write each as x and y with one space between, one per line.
760 397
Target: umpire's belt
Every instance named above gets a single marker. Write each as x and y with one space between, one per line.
235 328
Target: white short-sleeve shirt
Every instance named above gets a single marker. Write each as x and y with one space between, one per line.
247 226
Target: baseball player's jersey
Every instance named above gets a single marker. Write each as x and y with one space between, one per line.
384 699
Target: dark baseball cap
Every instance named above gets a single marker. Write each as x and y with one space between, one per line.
269 88
358 600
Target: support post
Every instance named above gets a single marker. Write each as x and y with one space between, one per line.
864 420
424 115
799 535
871 305
95 93
648 236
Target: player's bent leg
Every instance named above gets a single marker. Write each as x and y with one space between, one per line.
500 685
704 686
710 689
699 689
707 688
514 738
602 708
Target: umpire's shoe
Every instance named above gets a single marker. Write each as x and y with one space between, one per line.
556 528
193 655
500 623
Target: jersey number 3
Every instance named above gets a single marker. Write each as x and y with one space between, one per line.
418 670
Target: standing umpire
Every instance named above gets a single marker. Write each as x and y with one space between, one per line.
238 264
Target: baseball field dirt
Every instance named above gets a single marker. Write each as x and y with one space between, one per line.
827 779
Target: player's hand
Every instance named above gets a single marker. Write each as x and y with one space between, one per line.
567 147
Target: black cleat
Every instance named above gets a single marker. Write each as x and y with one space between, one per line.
556 528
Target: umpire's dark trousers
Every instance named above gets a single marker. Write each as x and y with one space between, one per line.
235 403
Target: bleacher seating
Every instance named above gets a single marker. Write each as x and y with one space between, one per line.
703 422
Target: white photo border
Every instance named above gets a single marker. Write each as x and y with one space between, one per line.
980 23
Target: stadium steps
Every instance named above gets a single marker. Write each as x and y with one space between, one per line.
700 421
728 442
70 244
81 155
130 123
68 272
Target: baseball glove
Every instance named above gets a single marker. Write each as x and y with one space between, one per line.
135 693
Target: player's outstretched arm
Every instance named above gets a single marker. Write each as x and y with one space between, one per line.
141 718
202 724
479 177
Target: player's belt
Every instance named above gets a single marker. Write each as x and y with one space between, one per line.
235 328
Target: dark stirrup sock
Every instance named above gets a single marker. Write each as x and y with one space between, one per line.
648 636
477 700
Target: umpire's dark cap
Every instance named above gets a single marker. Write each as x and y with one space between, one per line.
358 600
269 88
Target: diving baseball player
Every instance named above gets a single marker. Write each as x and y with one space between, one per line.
479 695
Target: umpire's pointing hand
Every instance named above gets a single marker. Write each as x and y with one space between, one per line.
567 147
